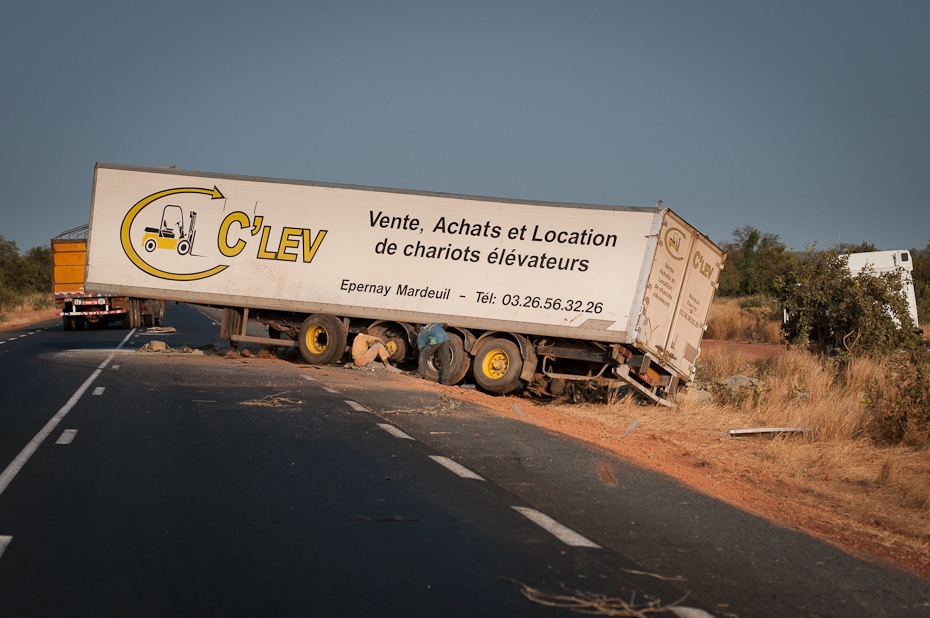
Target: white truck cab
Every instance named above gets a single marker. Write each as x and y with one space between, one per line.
887 261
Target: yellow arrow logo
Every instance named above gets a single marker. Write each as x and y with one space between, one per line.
136 259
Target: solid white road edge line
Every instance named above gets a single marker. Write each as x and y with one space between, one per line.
17 464
456 467
564 534
394 431
92 350
4 541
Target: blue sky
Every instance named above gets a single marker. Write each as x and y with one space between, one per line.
810 120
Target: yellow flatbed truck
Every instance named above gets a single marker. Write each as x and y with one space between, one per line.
76 307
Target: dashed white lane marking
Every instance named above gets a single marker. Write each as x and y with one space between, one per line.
67 436
356 406
456 467
311 378
99 390
564 534
17 464
114 367
394 431
329 390
689 612
4 541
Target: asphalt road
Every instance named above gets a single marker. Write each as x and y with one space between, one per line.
196 485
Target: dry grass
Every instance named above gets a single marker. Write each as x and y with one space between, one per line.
732 319
31 309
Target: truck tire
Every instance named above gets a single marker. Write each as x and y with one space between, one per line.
72 323
148 321
498 365
394 341
125 320
459 362
135 313
322 339
160 314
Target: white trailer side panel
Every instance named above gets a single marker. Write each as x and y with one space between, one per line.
549 269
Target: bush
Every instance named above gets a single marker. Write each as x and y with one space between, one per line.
830 309
900 399
23 275
922 283
42 301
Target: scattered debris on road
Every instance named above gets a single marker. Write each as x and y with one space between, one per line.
159 330
272 401
596 604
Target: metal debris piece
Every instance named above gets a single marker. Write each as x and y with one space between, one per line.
766 432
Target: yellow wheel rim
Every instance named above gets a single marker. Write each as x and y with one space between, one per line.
495 364
316 340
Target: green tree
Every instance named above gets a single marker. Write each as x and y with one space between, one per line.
22 275
830 308
754 261
41 260
844 248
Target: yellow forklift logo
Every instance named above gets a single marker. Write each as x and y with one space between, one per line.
171 235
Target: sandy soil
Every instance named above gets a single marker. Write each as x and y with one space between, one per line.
17 319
